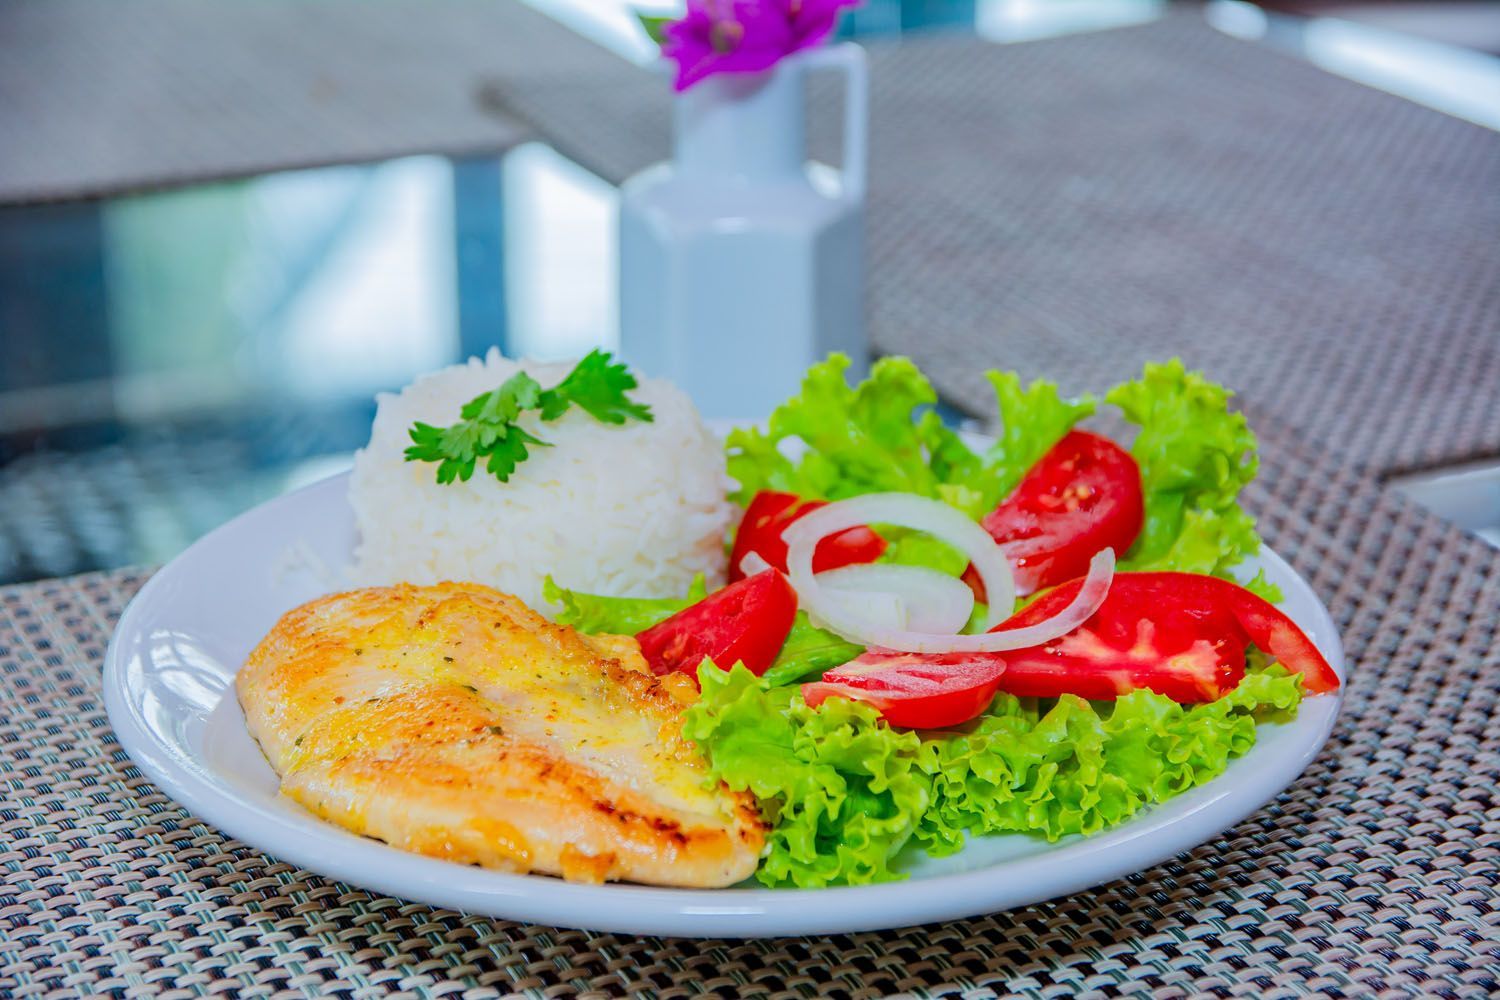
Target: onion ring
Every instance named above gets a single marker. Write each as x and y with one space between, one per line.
941 521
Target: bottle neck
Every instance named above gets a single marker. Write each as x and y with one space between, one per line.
742 126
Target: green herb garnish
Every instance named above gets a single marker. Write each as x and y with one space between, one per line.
490 427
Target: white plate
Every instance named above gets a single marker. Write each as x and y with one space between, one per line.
168 690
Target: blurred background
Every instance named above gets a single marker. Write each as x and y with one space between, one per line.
174 349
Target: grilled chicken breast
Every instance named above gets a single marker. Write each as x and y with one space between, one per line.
456 722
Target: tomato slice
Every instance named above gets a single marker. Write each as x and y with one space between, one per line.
771 513
1182 635
911 689
1274 633
1082 497
746 622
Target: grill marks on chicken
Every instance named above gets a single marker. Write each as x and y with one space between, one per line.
455 722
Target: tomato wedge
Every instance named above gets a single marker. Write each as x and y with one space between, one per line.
915 690
1274 633
1182 635
1083 496
771 513
746 622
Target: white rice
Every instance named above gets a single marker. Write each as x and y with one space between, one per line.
633 510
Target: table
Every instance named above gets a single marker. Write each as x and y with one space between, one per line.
1377 873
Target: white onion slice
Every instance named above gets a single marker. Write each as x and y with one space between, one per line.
754 563
916 512
1083 606
931 601
884 607
909 511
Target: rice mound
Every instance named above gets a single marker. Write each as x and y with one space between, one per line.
635 509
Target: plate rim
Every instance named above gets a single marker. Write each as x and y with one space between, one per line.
729 913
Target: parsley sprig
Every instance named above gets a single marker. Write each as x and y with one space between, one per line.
490 427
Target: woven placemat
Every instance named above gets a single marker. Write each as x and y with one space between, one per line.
98 97
1376 874
1074 206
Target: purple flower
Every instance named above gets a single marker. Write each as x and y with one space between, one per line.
745 36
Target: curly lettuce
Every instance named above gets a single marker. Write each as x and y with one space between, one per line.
1077 767
1195 456
863 439
841 790
883 435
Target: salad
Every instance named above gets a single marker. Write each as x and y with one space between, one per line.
923 641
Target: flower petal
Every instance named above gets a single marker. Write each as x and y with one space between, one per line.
744 36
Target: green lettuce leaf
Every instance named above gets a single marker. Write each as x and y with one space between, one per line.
1033 418
913 548
864 439
594 613
1261 584
1195 456
1078 766
840 789
808 652
882 435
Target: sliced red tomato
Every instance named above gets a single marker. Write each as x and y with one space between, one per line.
1182 635
1276 634
746 622
912 689
1082 497
770 513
